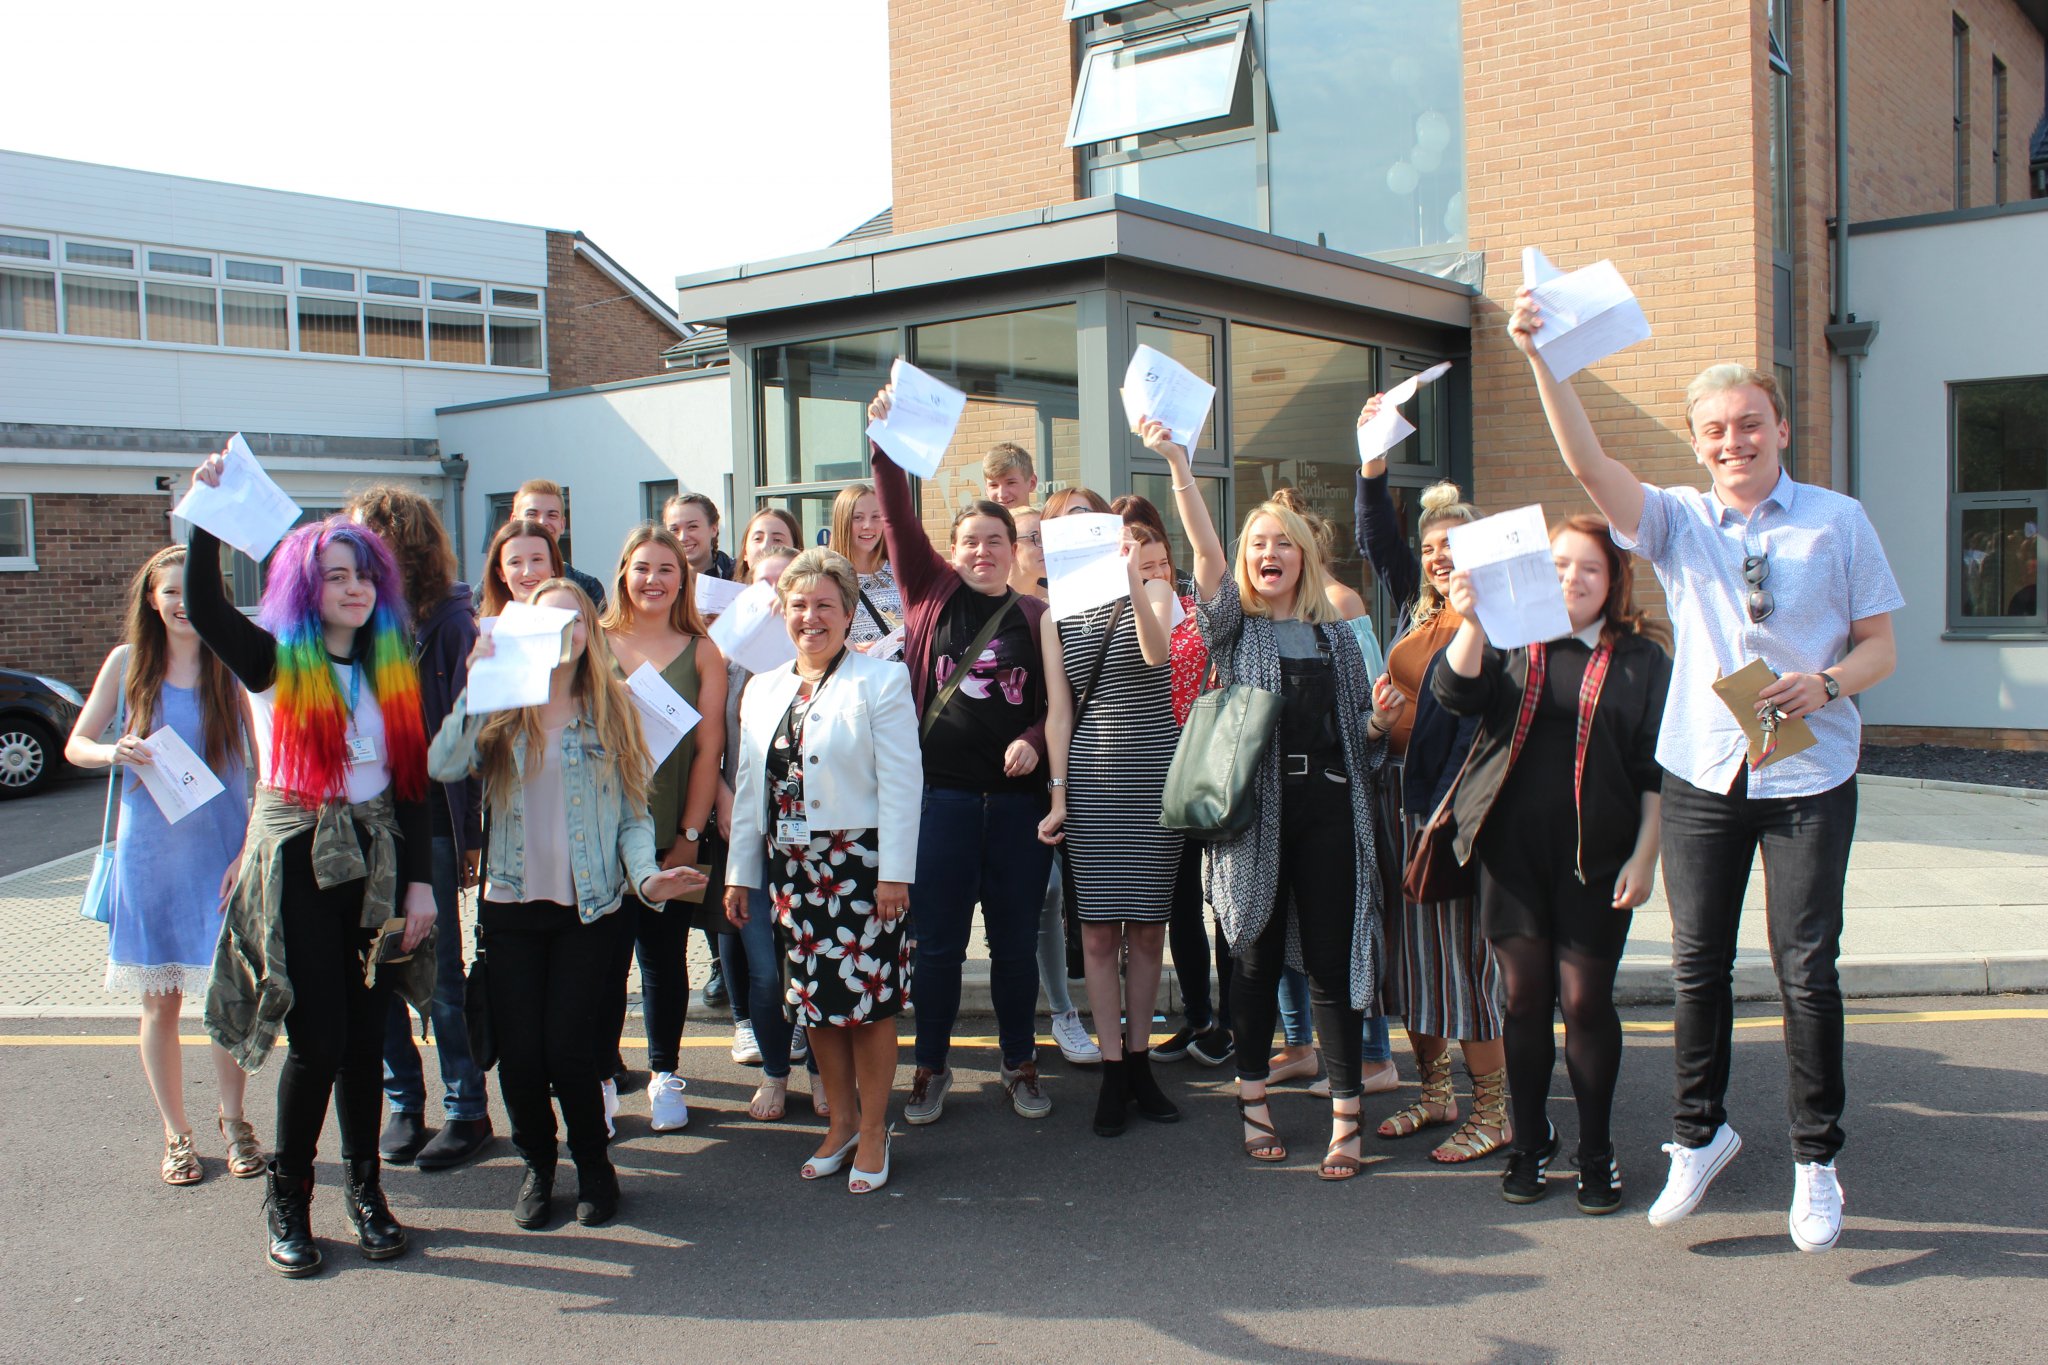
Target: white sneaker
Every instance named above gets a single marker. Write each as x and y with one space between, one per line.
746 1049
1816 1219
1072 1036
611 1107
667 1110
1692 1170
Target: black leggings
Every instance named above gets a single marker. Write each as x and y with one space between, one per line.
662 937
336 1024
1542 973
1187 938
549 973
1318 873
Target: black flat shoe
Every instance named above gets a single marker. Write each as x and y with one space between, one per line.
597 1194
535 1206
1526 1179
287 1209
456 1143
404 1136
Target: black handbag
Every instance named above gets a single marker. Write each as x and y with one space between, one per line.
476 1012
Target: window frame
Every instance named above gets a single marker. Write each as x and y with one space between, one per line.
1959 626
1244 66
23 563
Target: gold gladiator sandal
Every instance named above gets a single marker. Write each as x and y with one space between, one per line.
1435 1106
1488 1130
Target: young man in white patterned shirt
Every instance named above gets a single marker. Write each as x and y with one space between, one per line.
1757 567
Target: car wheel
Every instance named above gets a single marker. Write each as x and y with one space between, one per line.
28 757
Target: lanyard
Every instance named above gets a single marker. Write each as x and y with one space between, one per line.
800 705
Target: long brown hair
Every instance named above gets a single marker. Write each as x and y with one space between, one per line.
1062 502
605 703
781 514
842 522
1624 617
1137 510
1440 502
497 594
683 616
149 658
409 524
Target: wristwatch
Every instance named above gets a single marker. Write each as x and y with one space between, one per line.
691 834
1834 688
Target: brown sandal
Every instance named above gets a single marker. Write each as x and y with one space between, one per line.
1270 1144
1488 1130
181 1163
245 1154
1337 1166
1434 1107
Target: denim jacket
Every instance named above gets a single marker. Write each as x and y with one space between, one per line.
611 839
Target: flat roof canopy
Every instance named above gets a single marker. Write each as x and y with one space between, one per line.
1107 227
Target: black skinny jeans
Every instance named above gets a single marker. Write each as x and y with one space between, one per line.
1709 841
1318 870
549 975
662 937
1187 938
336 1024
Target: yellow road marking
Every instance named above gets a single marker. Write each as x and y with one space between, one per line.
640 1044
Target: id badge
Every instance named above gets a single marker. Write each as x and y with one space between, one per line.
361 749
791 833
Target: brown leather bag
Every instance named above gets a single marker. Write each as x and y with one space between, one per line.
1433 873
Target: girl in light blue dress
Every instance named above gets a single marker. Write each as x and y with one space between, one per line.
168 879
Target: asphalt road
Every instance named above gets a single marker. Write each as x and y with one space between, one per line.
1000 1239
62 818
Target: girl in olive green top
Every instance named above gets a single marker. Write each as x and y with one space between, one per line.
653 619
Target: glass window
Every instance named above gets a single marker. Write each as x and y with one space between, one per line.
254 272
2001 436
17 533
1781 131
2000 505
2000 564
392 285
1143 84
96 307
328 327
32 248
1294 404
1020 374
1158 489
443 292
813 512
1215 182
814 406
515 342
1366 152
514 298
393 333
654 494
88 253
455 338
312 278
182 312
181 263
256 322
28 301
1197 351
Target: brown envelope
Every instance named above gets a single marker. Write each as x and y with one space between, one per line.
1739 692
697 897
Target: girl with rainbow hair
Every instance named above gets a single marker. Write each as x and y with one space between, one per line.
339 842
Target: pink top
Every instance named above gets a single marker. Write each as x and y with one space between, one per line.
547 830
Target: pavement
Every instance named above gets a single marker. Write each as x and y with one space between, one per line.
1002 1240
1947 894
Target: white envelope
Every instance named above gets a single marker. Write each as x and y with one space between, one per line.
247 510
665 717
922 415
1084 562
1160 387
527 643
752 633
178 780
1514 582
714 595
1389 428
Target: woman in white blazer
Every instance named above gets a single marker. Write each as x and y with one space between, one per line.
825 815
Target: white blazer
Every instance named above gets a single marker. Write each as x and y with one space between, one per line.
863 768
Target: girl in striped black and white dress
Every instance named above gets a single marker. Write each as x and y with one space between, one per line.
1110 736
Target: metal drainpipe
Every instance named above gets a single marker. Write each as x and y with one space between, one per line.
455 468
1847 337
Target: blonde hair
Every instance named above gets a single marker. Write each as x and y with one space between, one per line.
1311 593
605 705
842 521
746 574
1440 502
619 613
1007 458
816 563
1732 375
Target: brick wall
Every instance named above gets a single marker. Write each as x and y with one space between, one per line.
978 97
63 618
1902 126
597 332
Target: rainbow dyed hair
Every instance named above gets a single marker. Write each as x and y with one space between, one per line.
310 763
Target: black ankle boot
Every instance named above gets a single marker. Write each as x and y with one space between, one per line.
1114 1099
287 1208
536 1202
377 1232
1145 1092
597 1192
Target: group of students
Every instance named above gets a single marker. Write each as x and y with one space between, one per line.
941 743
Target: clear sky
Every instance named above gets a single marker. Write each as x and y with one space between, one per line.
679 136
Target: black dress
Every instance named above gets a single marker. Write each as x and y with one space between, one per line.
847 965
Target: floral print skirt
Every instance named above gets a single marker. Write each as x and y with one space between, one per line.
846 964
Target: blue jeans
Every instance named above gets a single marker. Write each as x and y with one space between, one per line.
971 847
1299 1031
752 962
405 1083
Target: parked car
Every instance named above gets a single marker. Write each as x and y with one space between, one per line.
36 714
